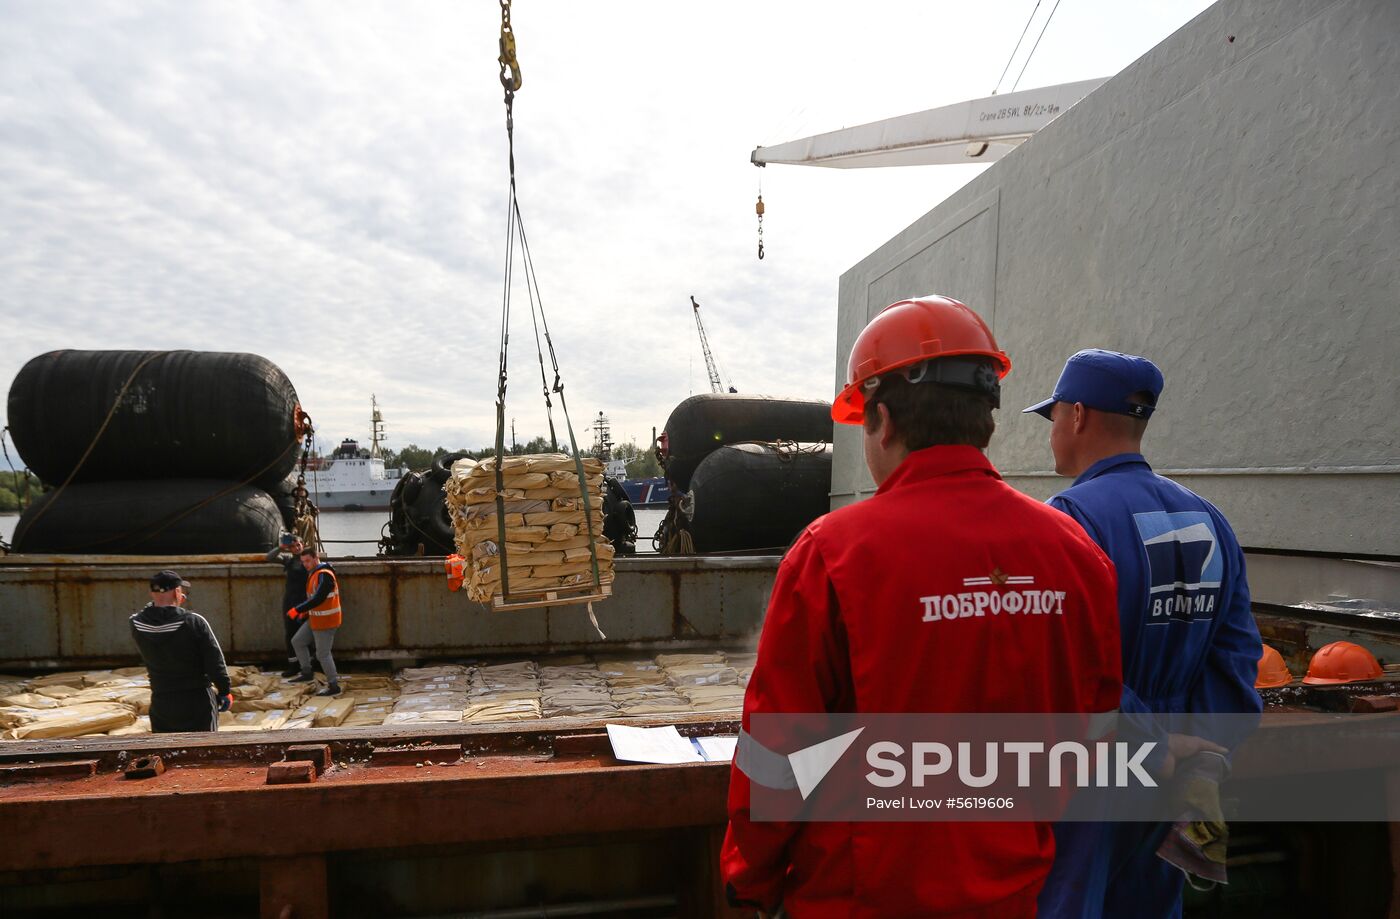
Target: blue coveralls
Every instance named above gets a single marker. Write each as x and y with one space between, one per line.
1189 645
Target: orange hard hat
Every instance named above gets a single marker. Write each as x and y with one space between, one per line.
1273 672
912 332
1342 662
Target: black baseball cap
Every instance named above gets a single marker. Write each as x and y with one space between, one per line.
167 580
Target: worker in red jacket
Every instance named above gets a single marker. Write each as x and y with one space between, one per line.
848 630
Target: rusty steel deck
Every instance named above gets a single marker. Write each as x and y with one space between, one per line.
71 805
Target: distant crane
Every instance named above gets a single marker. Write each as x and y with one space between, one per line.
715 384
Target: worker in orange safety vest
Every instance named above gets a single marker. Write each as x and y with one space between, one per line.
320 615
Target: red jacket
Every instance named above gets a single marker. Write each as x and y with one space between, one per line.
845 631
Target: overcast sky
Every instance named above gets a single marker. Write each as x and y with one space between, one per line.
324 183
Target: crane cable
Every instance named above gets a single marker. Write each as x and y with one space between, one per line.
1036 45
511 82
1024 30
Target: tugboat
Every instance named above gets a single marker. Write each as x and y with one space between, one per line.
353 478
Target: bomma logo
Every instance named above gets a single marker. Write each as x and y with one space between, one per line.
1185 565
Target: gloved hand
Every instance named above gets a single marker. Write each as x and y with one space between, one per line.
225 701
293 615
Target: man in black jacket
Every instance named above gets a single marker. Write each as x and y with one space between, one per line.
287 553
182 657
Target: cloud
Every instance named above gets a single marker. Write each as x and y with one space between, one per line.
324 184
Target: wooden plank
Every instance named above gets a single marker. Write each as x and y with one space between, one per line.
559 596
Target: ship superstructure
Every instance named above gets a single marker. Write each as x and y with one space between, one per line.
354 478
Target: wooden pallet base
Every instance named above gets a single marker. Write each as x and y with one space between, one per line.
555 596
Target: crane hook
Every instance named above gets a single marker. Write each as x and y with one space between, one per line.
759 209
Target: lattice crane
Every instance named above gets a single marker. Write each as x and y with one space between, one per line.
710 368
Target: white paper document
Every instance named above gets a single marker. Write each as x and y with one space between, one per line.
652 745
717 749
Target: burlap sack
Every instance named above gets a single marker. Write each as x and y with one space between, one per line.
268 720
428 674
515 506
311 707
136 698
142 725
70 678
695 657
74 721
56 690
730 694
537 462
446 684
512 710
367 715
431 701
484 525
289 698
430 717
366 682
12 716
334 714
702 674
656 707
374 697
581 553
30 700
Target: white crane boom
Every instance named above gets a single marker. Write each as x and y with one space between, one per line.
976 131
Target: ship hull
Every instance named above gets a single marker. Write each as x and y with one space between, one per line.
654 492
373 499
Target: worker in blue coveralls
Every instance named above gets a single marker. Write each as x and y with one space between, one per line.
1190 644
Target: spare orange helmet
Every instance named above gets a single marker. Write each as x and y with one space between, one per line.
920 332
1342 662
1273 672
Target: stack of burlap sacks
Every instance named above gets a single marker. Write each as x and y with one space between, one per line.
547 535
708 681
116 702
430 695
75 704
575 687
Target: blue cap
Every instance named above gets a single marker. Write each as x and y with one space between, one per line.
1106 380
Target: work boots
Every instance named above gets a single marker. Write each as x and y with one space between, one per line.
302 676
332 690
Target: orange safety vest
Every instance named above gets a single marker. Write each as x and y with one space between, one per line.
327 614
456 567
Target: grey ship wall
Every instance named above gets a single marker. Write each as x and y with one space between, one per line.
1230 209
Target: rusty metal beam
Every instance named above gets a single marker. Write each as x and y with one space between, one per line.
211 812
347 744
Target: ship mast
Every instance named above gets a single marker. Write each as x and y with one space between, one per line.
376 422
602 438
